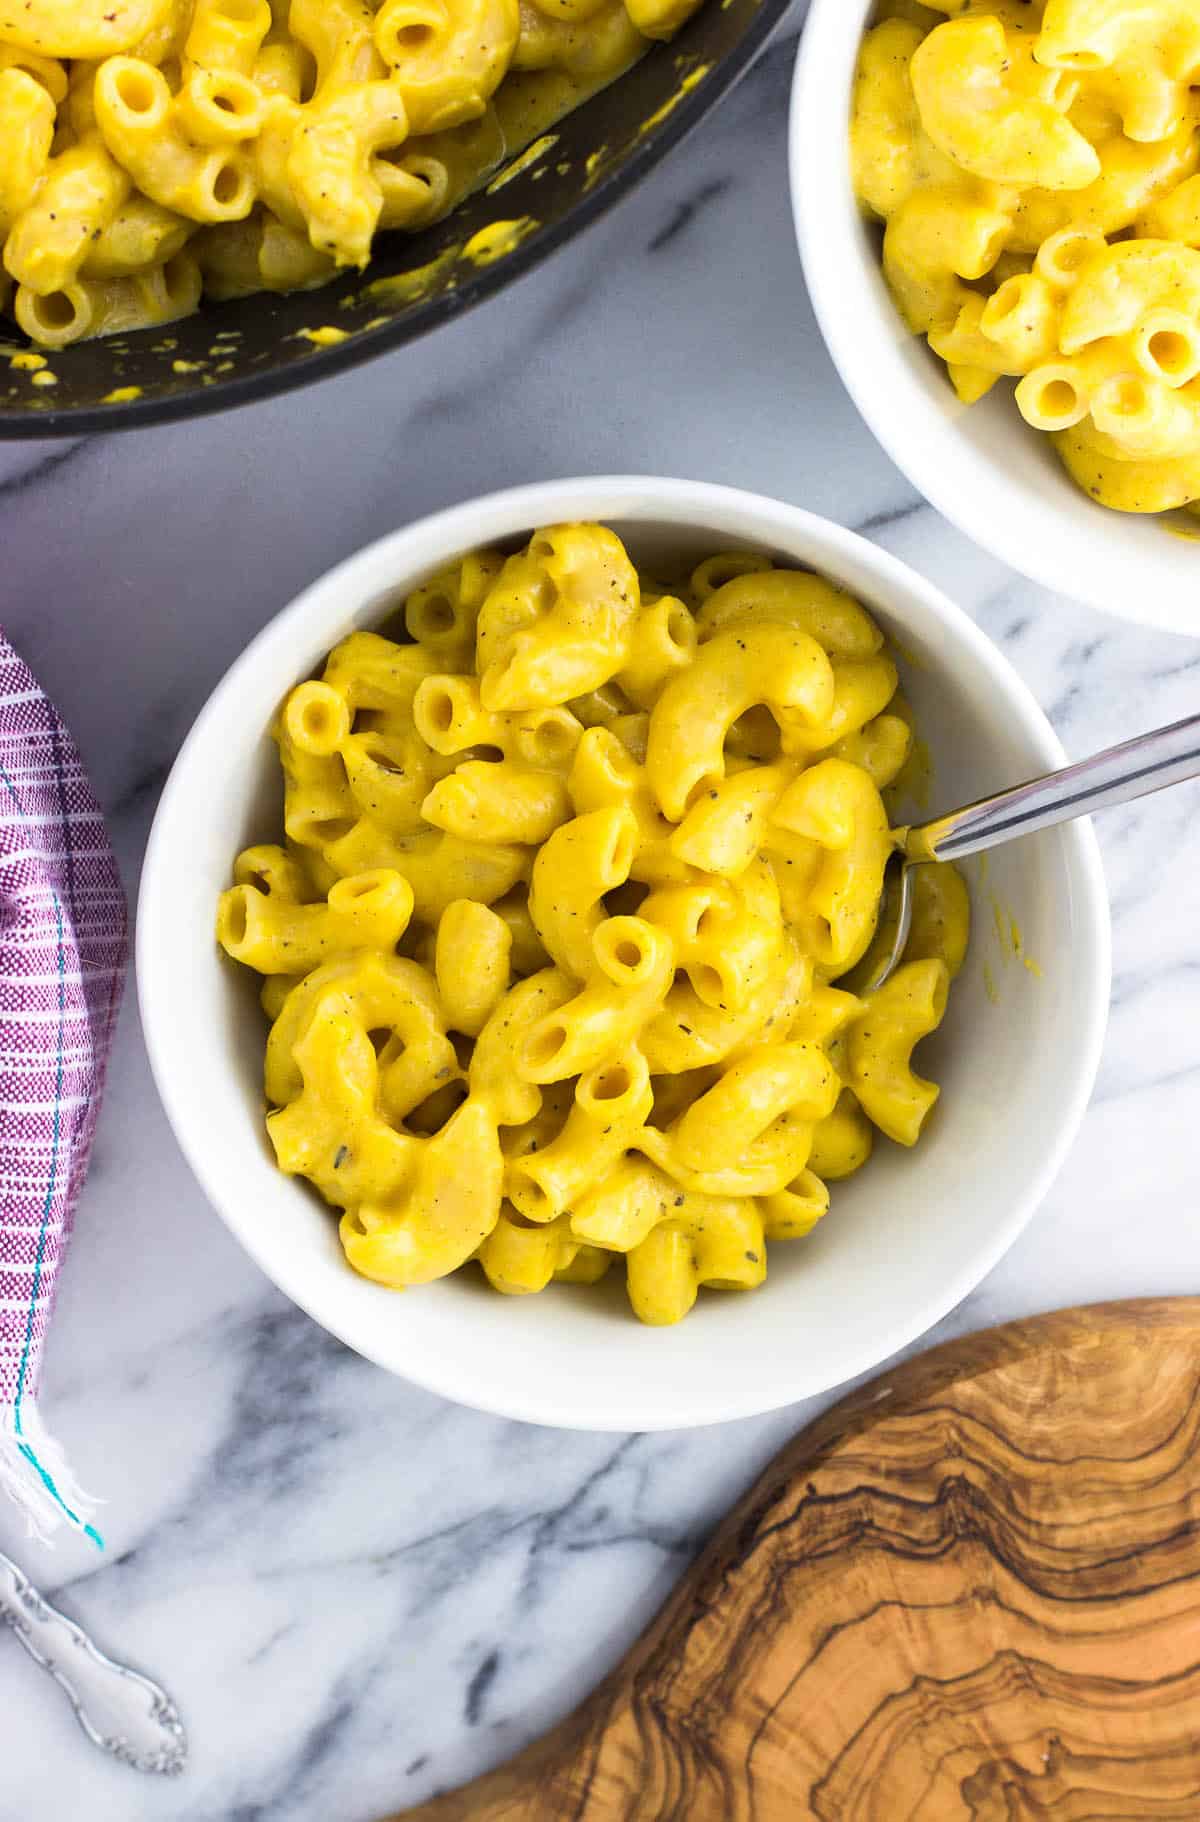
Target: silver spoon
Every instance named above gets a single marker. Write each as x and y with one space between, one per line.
1168 756
119 1710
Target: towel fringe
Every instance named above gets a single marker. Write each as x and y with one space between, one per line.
35 1476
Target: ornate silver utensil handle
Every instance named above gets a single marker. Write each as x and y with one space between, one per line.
119 1710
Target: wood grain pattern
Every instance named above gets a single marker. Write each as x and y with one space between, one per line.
969 1593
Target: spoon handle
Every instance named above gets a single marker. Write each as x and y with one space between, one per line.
1134 769
119 1710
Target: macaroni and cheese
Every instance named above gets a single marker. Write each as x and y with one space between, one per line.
158 150
1037 166
563 943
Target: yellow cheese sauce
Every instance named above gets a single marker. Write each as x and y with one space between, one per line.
407 287
593 165
1009 939
497 240
491 243
915 781
693 78
523 162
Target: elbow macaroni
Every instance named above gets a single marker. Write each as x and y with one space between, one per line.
279 139
1035 168
550 958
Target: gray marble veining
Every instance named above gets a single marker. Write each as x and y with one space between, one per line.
357 1593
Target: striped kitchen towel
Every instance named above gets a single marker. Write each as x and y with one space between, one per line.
62 966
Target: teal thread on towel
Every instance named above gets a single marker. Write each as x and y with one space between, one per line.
12 793
24 1448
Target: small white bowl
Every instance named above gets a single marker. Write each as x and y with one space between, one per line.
904 1241
980 465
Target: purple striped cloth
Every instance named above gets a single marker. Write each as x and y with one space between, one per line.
62 966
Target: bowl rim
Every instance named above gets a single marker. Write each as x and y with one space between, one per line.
916 438
483 282
492 517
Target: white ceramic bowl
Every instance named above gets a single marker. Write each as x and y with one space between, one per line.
980 465
904 1241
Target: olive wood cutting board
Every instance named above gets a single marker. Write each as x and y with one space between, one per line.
971 1590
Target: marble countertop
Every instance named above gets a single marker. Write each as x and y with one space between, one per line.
358 1593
